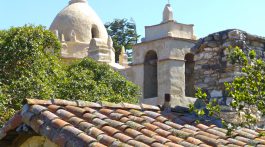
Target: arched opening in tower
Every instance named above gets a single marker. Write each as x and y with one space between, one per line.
150 75
94 32
189 75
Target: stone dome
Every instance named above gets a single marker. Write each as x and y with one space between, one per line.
80 19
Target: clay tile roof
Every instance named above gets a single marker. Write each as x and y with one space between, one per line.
80 123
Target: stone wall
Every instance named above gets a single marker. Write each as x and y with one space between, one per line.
212 69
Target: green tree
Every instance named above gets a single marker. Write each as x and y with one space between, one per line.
123 33
247 91
30 67
27 68
91 81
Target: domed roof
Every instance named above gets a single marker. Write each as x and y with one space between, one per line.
80 18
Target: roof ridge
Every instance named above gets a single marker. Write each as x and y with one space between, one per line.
81 103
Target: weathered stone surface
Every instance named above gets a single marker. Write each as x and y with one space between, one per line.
216 94
212 67
236 34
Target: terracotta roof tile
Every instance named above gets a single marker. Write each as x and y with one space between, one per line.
36 123
116 116
112 105
105 139
180 133
258 141
189 131
145 139
185 143
110 130
193 128
122 137
202 127
250 131
171 144
76 110
37 109
48 116
89 110
82 140
162 126
208 135
137 143
236 142
217 133
161 119
243 139
161 139
246 134
118 143
99 123
80 123
174 139
163 132
26 117
174 125
60 139
152 114
151 126
65 115
194 141
148 132
131 132
89 117
96 144
137 113
155 144
207 140
132 106
61 102
85 126
205 145
106 111
100 116
223 142
94 132
87 104
54 108
58 123
124 112
150 107
137 119
148 119
38 102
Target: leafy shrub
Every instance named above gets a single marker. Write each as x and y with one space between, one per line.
92 81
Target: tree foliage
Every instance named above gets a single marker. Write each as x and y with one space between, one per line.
30 67
247 91
123 33
89 80
26 67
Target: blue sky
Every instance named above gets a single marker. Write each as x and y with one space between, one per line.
208 16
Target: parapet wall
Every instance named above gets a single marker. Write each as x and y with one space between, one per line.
212 69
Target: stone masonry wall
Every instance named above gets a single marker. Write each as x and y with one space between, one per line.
212 69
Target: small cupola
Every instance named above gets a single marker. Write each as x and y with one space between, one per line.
168 13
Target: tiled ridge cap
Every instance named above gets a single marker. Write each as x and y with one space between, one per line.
13 123
80 103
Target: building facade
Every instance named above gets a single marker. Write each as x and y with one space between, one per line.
169 60
159 61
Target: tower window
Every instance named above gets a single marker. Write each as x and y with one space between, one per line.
94 32
150 75
189 75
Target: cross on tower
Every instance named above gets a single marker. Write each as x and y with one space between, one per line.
168 1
